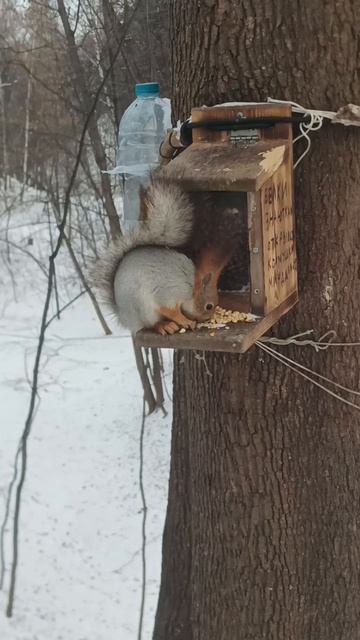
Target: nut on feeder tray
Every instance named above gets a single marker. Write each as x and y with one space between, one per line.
243 178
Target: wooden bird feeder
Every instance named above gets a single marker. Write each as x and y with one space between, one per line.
250 173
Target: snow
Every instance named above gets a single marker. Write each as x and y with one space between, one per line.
79 575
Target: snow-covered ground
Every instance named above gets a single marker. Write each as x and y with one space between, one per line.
79 574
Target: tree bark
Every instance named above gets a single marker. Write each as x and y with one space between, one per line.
262 536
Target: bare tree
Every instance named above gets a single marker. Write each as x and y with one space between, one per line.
79 85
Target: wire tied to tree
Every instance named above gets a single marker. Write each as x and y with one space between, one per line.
318 345
312 121
315 123
349 115
325 342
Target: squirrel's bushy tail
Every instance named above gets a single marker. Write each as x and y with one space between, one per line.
170 215
169 223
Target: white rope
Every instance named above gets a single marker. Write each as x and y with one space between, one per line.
344 344
283 359
298 108
318 345
318 375
203 359
316 119
314 124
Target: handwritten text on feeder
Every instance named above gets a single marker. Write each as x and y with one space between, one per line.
278 237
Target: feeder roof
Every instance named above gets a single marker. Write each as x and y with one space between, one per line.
223 166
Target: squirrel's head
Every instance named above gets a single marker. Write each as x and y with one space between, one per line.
201 306
209 264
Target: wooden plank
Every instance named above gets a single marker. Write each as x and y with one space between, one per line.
226 167
278 131
256 254
237 338
278 229
228 340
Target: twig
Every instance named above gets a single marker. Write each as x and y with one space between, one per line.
11 274
68 304
154 369
143 526
28 253
77 17
157 378
57 302
88 289
6 519
141 367
7 514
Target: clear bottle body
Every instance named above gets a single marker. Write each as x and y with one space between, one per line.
142 129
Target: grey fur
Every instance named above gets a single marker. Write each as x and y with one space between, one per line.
148 278
134 278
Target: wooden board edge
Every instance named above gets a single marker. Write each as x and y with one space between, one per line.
255 235
269 320
147 338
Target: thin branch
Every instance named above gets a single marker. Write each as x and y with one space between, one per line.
88 289
56 290
28 253
22 51
6 519
58 94
148 33
77 17
143 525
66 306
154 370
141 367
7 513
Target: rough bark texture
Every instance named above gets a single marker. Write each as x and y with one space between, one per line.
262 536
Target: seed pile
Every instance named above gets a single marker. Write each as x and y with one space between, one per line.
222 317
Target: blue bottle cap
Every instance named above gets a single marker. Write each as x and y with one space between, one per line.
147 89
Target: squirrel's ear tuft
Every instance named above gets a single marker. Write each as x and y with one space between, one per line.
206 279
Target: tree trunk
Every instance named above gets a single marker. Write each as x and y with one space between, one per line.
79 85
27 129
262 536
6 175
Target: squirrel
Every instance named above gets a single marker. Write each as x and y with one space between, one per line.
145 276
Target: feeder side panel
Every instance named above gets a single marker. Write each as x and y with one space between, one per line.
280 267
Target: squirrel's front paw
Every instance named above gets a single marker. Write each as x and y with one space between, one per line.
188 324
176 316
166 327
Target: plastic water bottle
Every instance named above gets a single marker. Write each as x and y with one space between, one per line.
141 131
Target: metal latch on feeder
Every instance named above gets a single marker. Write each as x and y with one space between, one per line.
245 137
